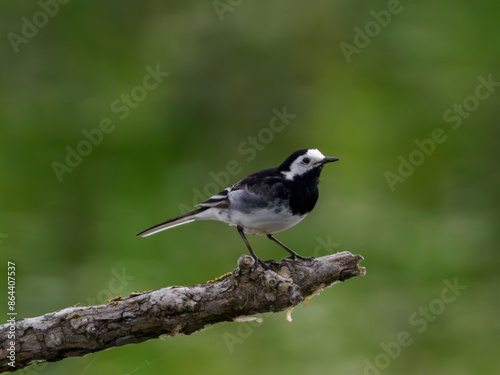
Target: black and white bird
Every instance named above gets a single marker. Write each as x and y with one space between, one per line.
265 202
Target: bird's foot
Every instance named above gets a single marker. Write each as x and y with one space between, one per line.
296 256
264 263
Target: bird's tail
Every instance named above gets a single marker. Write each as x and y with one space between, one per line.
179 220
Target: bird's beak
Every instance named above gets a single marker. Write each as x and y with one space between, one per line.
328 160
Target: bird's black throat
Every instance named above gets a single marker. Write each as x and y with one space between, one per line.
304 191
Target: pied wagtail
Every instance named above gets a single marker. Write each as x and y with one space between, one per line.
264 202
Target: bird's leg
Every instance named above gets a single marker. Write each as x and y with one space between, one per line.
293 254
257 260
242 234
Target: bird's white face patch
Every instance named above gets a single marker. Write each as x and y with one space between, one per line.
304 163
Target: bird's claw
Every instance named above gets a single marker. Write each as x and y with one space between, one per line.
297 256
263 264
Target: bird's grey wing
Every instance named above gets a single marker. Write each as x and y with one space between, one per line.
254 191
258 191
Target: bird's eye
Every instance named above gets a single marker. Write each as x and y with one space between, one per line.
306 160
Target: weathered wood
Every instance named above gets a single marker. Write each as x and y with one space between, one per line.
248 290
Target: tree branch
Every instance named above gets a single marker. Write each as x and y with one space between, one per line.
77 331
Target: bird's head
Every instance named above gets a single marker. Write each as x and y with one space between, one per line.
309 161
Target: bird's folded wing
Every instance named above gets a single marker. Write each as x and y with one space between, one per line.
263 187
219 200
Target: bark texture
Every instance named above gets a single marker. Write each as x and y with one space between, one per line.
248 290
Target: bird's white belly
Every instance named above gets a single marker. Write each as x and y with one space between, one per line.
262 220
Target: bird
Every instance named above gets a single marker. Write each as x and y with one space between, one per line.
263 203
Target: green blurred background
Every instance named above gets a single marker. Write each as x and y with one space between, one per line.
229 68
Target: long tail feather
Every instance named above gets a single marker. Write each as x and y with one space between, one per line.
179 220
